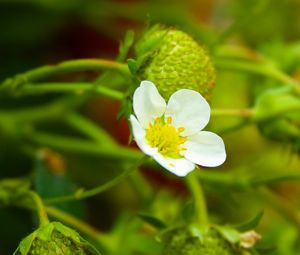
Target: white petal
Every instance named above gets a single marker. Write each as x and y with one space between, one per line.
205 149
188 109
148 104
139 136
180 167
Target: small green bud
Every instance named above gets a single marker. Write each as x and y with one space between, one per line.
277 112
55 239
193 241
173 60
12 189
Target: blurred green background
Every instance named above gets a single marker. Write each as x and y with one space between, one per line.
39 32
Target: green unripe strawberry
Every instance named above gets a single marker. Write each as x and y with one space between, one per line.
173 60
55 239
182 241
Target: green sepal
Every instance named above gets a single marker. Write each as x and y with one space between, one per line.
197 231
25 245
44 233
229 233
150 40
68 232
132 66
194 239
125 45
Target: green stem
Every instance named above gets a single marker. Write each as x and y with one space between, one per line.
90 129
142 187
43 218
274 178
81 194
257 68
250 113
236 182
194 185
76 145
272 115
233 128
225 180
45 72
54 110
245 113
137 180
55 87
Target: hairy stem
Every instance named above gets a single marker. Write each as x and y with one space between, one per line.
73 87
45 72
257 68
40 208
195 187
245 113
75 145
89 128
82 194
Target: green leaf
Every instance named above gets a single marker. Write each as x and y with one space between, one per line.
198 232
66 231
50 183
250 224
153 221
264 250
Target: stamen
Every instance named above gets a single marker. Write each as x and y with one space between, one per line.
165 137
181 129
172 165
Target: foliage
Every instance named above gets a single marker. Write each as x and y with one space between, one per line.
66 89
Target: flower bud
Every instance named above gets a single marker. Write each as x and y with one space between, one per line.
249 238
173 60
55 238
278 115
187 241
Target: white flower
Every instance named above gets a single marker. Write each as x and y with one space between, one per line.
170 133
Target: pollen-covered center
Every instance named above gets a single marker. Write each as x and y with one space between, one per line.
165 137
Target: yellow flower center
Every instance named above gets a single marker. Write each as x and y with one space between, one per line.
165 137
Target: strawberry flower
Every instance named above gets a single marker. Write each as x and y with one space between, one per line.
171 133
